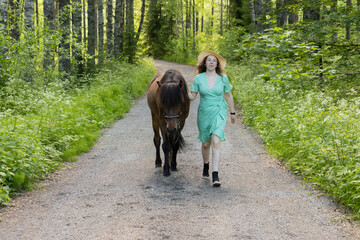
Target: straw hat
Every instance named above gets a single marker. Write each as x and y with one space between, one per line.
206 53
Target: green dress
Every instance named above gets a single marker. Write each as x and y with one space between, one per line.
212 109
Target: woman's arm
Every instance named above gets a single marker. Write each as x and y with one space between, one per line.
192 95
230 101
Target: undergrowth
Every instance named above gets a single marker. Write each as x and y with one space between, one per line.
48 125
315 132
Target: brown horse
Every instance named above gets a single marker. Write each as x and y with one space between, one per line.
169 103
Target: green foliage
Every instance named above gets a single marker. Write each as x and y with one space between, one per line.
315 133
299 90
62 124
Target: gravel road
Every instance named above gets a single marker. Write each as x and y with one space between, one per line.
115 192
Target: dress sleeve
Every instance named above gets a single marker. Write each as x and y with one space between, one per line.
195 86
227 85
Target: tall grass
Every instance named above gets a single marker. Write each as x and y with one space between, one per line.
316 133
56 125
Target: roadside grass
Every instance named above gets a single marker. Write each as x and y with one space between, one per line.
63 124
316 133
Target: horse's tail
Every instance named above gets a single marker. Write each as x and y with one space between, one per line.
182 142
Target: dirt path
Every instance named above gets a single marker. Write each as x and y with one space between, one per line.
114 192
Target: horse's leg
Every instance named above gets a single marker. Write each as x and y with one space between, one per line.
157 140
175 149
166 149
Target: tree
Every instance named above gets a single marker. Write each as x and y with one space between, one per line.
130 34
348 22
109 28
76 31
13 23
92 31
141 20
64 53
101 29
29 13
281 13
119 28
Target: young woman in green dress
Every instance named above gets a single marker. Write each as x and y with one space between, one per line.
215 99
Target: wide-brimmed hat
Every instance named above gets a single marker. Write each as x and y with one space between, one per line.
206 53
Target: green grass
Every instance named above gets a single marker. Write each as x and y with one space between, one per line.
63 124
314 132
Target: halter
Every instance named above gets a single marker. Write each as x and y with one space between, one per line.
167 117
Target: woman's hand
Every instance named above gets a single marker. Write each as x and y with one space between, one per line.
192 95
233 118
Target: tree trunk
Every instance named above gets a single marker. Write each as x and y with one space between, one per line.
49 12
293 16
142 20
119 28
64 53
348 22
334 9
268 10
101 29
202 16
3 11
194 26
221 17
187 19
109 28
197 18
92 32
182 25
212 16
130 35
252 14
358 22
29 13
311 13
259 12
13 23
281 11
76 25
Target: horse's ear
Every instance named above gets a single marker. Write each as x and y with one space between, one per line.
159 84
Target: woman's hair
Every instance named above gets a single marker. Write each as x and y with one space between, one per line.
201 67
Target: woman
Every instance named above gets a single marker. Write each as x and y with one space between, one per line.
215 99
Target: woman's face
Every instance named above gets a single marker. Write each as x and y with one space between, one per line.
211 63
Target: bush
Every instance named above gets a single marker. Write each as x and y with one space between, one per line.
313 131
59 124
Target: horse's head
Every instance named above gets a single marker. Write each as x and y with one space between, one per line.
173 96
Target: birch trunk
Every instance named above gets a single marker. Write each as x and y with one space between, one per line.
101 29
193 26
109 28
119 28
182 25
92 31
252 14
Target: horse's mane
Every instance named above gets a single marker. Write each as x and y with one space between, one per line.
173 89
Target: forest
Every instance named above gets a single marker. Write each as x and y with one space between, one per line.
70 68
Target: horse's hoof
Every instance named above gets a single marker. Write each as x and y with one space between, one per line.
166 173
174 169
157 165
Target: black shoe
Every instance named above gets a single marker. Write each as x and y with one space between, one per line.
215 179
206 171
